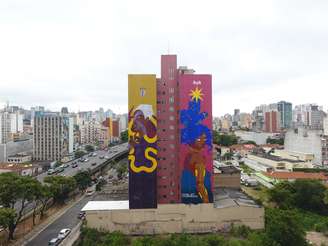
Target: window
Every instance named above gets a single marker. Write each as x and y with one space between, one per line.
171 100
171 90
171 127
142 92
171 109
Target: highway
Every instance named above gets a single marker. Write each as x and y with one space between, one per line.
70 171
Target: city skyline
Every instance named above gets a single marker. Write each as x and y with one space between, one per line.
78 54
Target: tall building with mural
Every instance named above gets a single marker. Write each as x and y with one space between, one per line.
142 132
181 107
195 148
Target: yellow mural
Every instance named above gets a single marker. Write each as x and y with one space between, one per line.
142 126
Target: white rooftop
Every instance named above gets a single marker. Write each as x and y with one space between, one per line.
106 205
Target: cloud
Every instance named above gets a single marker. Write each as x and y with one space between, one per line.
78 53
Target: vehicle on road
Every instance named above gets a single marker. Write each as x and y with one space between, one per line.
65 165
81 215
59 169
93 163
51 171
90 191
54 241
86 160
106 157
90 155
74 165
101 157
64 233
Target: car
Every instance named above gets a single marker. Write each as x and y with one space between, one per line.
54 241
81 215
74 165
93 163
101 157
90 191
90 155
106 157
65 165
51 171
59 169
86 160
64 233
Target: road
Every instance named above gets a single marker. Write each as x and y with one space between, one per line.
69 171
68 220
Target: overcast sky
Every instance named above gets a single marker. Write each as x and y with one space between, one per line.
77 53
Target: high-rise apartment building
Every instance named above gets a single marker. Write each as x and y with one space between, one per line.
52 136
272 121
5 127
89 131
286 114
176 129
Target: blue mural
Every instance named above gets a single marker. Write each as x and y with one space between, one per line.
195 178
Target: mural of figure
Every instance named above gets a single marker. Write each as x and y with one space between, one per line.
142 139
142 157
197 137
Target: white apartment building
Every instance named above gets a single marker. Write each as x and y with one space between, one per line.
5 127
53 136
89 131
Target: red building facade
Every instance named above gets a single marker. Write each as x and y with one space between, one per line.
271 121
168 172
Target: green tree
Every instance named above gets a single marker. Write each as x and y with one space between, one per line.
16 190
89 148
283 227
45 196
60 187
224 139
279 141
83 179
7 216
78 154
282 195
310 195
124 136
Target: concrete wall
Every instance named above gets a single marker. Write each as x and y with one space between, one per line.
175 218
226 180
306 141
12 148
258 137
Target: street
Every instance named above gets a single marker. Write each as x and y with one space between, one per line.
68 220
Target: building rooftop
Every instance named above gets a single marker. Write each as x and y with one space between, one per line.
106 205
228 197
296 175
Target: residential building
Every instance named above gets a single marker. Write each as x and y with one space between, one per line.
5 127
89 131
52 137
286 114
309 115
180 94
271 122
258 123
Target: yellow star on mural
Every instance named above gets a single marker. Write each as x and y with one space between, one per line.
196 94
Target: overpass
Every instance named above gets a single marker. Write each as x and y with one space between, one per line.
94 164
